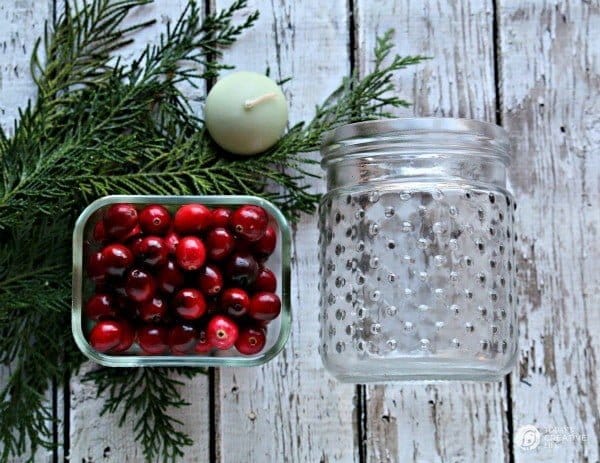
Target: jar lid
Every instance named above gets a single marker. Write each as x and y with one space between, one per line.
412 134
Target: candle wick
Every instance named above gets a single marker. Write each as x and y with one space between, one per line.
249 104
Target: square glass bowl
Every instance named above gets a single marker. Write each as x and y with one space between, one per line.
279 262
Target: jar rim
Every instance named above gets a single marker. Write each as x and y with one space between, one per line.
459 133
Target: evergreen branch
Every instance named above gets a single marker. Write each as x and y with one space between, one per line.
149 394
100 127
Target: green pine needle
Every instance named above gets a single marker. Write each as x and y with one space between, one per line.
101 126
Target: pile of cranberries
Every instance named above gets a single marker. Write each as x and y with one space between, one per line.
191 282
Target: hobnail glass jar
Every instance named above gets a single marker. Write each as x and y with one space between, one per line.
417 276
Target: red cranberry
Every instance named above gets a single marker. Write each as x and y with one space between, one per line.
202 346
134 245
172 240
210 280
182 338
105 335
189 304
235 302
190 253
264 306
152 339
251 340
155 219
99 233
241 268
265 281
100 306
250 222
170 278
140 285
117 258
96 267
134 233
222 332
151 251
219 243
127 337
120 220
153 310
220 217
192 218
265 246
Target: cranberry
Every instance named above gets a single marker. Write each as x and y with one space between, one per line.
96 267
151 251
192 218
202 346
120 220
241 268
219 243
235 302
152 339
170 278
100 306
105 335
251 340
99 232
210 280
250 222
134 245
182 338
140 285
172 240
265 246
220 217
135 232
222 332
264 306
153 310
189 304
190 253
265 281
117 258
155 219
127 337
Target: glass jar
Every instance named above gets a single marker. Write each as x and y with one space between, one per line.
417 275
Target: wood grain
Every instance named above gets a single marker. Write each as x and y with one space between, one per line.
290 410
94 439
21 23
454 421
550 83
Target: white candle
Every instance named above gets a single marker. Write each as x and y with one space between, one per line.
245 113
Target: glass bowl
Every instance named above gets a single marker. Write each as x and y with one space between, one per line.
278 262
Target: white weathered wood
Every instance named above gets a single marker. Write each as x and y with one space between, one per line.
550 65
453 421
96 439
21 23
290 409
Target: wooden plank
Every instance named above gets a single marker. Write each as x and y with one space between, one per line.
96 439
290 409
551 106
21 23
453 421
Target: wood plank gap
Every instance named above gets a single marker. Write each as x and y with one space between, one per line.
509 420
352 35
497 70
54 420
510 450
361 419
66 384
212 414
